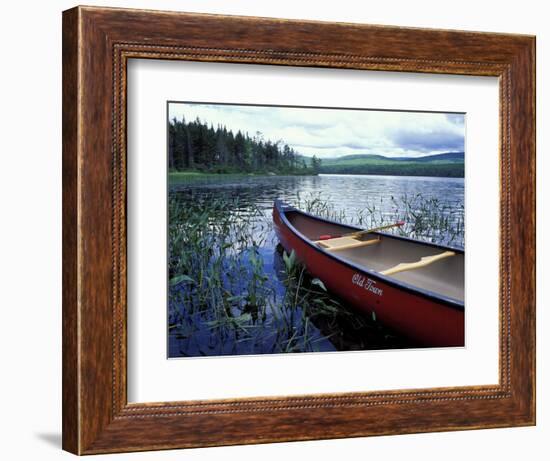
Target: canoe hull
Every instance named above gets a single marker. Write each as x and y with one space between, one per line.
430 322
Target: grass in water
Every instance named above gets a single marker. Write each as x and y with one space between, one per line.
425 218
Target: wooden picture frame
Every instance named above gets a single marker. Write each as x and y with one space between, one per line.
97 43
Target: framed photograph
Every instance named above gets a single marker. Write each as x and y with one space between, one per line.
280 230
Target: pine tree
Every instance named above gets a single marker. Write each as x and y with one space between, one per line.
197 145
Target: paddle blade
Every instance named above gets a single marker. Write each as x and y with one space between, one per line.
327 237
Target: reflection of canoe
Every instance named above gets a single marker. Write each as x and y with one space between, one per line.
414 287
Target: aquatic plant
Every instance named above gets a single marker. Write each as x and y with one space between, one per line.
425 218
224 300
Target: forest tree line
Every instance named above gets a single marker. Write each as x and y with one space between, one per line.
447 170
198 146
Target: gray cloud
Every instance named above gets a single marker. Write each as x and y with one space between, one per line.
429 142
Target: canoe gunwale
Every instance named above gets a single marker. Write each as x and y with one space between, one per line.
283 208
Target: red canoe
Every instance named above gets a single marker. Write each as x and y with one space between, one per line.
413 287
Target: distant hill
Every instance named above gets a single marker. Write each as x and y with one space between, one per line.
453 157
450 164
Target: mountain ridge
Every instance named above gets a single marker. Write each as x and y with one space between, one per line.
450 156
448 164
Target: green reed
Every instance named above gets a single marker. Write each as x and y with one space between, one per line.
425 218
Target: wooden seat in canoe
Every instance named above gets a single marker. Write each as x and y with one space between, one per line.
344 243
423 262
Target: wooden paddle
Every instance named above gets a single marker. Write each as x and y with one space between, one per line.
423 262
363 232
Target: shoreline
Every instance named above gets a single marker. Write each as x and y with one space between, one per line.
184 176
175 177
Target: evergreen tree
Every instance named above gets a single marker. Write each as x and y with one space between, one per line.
315 164
196 145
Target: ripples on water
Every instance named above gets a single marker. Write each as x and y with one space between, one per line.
362 200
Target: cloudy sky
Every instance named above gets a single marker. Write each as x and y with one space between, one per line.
336 132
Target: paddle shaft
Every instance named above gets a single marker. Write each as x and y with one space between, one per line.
363 232
374 229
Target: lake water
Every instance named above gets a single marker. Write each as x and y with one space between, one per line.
432 208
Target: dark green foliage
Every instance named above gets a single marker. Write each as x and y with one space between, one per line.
201 147
450 170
